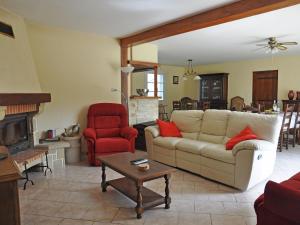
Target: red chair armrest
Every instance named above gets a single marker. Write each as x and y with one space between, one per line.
90 134
258 202
282 200
129 132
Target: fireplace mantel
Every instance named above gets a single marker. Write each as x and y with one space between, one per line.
7 99
14 103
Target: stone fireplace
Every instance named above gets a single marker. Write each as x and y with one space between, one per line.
16 119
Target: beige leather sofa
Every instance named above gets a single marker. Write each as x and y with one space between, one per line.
201 150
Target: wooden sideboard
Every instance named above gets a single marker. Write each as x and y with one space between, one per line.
9 195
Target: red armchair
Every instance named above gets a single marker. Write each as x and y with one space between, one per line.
107 131
280 203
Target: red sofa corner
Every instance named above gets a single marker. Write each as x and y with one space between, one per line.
280 203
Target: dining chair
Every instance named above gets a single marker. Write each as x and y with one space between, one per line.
285 127
237 103
186 103
162 112
176 105
296 130
205 106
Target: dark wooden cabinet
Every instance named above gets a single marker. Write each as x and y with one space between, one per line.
140 141
9 194
214 89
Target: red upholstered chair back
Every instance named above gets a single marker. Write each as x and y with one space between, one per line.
107 119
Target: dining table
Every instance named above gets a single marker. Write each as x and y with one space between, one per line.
281 114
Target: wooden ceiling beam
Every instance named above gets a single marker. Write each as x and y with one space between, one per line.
226 13
143 64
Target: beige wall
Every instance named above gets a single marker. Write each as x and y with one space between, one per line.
78 69
17 69
138 80
172 91
241 72
144 52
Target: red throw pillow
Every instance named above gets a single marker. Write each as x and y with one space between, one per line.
246 134
168 129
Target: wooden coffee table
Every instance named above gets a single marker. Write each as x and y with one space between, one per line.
132 184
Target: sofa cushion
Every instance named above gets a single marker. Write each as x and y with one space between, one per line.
192 136
167 142
214 126
191 146
245 134
215 122
107 126
211 138
218 152
114 144
168 129
188 121
266 127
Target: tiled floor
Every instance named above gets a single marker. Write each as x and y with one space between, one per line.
72 196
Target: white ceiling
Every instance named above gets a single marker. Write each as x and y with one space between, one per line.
234 40
116 18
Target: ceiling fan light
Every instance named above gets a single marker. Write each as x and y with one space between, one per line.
274 50
184 78
196 77
268 50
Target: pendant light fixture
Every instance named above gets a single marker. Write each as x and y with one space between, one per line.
129 68
189 71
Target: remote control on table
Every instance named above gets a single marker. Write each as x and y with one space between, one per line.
138 161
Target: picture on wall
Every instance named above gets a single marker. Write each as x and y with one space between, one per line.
175 79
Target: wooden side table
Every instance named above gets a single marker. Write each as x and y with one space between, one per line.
56 152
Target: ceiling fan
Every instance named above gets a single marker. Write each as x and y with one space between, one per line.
273 45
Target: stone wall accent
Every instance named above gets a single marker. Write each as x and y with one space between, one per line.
142 110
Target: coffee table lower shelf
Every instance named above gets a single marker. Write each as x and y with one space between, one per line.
128 187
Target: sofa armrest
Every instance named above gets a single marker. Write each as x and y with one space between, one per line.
90 134
283 201
129 133
253 145
154 130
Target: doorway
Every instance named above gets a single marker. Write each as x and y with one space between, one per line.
265 87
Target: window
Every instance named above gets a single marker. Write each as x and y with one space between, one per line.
160 85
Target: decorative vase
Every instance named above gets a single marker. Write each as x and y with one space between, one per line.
298 95
291 95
